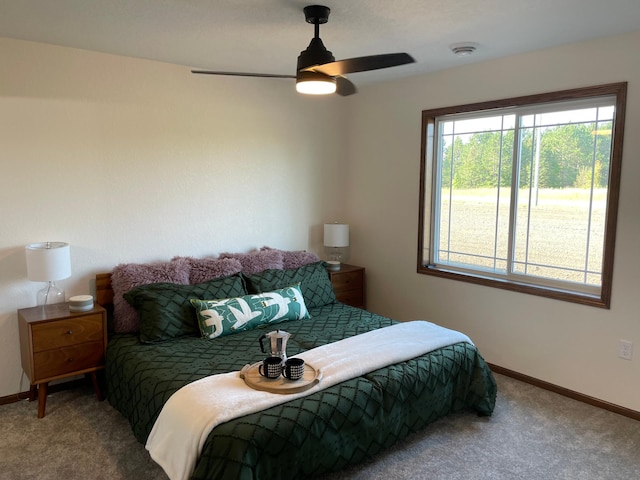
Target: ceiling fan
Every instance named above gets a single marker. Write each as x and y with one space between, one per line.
318 72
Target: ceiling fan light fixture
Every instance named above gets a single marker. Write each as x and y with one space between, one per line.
313 83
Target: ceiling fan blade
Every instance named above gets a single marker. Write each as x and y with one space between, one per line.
362 64
344 87
241 74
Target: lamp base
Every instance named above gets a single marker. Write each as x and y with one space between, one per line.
50 295
333 265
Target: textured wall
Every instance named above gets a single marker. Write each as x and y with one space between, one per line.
566 344
130 161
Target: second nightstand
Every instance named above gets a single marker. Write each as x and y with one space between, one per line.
58 343
348 283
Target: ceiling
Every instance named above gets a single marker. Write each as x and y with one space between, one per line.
266 36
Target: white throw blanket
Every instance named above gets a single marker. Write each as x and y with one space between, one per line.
193 411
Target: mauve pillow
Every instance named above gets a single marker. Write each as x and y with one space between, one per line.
204 269
128 275
295 258
258 260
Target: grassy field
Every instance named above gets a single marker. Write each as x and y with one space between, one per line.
556 229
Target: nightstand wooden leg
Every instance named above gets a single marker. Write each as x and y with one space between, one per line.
33 392
96 386
42 398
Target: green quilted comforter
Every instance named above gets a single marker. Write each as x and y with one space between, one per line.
322 432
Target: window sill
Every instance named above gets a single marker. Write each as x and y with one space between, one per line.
601 301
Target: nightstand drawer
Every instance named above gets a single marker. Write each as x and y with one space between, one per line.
354 298
348 285
72 331
52 363
347 281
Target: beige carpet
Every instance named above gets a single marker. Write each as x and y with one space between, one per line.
533 434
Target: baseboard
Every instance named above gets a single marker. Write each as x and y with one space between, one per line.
627 412
16 397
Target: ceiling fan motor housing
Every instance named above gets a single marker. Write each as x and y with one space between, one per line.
315 54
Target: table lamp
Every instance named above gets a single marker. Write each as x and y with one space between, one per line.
336 239
48 262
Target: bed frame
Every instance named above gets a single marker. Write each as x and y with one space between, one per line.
104 292
215 463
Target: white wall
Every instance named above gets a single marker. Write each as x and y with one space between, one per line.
566 344
131 161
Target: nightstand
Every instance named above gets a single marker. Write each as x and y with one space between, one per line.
348 283
57 343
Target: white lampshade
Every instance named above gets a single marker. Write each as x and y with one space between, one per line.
48 261
336 235
336 241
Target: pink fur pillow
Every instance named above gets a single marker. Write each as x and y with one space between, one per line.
128 275
258 260
203 269
295 258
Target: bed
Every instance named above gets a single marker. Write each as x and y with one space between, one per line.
303 438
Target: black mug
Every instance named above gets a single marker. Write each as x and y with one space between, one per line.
271 367
293 368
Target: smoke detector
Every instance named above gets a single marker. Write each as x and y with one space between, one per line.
463 49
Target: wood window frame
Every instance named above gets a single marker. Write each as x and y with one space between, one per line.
603 299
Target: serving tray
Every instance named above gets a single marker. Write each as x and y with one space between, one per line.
281 384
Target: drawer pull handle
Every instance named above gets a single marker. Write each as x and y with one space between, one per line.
70 332
70 360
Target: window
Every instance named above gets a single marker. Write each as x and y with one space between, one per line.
522 193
